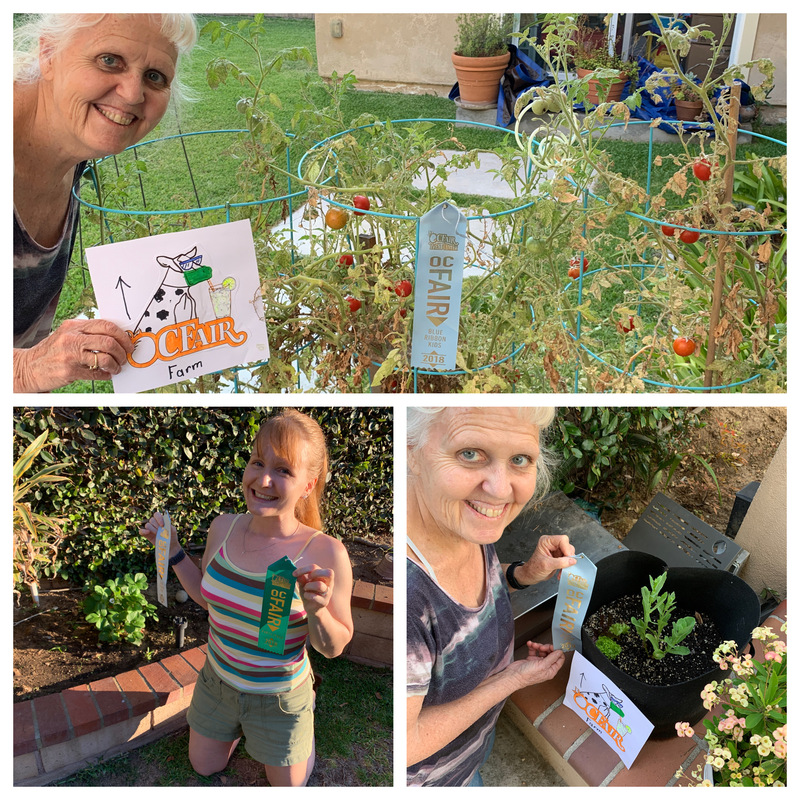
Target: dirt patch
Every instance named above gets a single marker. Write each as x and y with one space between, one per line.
738 443
55 648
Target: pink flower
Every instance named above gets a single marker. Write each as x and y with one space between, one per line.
684 729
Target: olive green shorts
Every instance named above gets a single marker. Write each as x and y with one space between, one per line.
278 729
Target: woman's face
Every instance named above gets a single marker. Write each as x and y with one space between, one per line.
475 473
111 84
273 485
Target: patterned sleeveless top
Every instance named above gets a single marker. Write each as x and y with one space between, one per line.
234 598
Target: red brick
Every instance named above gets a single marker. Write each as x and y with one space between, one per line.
181 670
24 730
82 711
110 701
363 594
51 719
196 656
657 762
163 685
139 695
371 649
562 728
594 759
384 599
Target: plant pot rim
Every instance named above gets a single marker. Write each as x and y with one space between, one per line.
503 58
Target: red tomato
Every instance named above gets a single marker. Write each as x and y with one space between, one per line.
573 272
667 230
359 201
689 237
353 303
403 312
626 328
683 346
346 259
403 288
701 169
575 261
336 218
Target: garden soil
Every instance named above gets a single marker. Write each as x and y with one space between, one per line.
55 648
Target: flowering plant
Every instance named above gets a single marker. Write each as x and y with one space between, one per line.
747 742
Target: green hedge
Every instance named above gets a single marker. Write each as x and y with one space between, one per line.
127 463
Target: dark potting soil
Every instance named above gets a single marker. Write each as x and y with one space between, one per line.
637 662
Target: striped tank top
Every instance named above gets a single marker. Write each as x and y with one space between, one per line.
234 598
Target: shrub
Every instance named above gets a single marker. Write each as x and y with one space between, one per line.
119 609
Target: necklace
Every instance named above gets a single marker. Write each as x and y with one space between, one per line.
269 543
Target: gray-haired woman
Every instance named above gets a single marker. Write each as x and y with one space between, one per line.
471 471
85 86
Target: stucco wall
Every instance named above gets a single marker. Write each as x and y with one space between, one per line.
385 51
770 42
763 530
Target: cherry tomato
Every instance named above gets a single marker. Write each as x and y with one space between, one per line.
403 288
359 201
701 169
689 237
353 303
683 346
573 272
403 312
346 259
336 218
575 261
626 328
667 230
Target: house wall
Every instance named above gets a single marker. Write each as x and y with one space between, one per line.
409 53
770 42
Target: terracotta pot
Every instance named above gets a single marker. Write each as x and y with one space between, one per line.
479 78
725 598
688 110
614 89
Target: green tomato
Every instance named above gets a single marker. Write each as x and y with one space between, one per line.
553 104
534 246
539 106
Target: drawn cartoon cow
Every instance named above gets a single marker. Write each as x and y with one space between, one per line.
173 302
605 701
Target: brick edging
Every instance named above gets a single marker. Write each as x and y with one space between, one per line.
55 735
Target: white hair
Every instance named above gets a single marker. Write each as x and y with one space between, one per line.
58 30
420 420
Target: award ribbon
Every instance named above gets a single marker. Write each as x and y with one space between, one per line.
574 592
276 606
163 537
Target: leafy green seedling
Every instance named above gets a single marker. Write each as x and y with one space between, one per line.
657 611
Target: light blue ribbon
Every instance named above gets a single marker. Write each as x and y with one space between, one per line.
574 593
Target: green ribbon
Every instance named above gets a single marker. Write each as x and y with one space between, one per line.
276 606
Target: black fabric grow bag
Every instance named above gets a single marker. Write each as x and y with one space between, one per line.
727 599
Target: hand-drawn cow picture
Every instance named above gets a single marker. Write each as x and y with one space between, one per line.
173 302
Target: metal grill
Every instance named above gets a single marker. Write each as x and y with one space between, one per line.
681 539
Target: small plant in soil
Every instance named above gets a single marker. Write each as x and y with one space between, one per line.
119 609
658 609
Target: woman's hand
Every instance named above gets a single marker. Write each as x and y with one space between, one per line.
79 349
150 532
552 554
541 664
316 587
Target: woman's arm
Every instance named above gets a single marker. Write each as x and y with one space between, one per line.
325 591
428 730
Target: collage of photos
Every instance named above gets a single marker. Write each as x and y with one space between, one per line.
499 297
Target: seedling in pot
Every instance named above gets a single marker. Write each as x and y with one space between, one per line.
658 608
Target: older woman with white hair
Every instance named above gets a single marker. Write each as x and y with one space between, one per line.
471 471
85 86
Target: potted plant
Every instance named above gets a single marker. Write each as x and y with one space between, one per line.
675 620
747 738
688 96
607 73
481 56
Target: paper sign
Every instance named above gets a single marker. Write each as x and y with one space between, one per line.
574 592
606 710
442 238
163 537
276 606
190 300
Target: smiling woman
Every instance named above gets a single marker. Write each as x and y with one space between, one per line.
85 86
471 471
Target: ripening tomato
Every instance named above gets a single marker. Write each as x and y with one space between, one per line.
575 261
667 230
683 346
573 272
359 201
353 303
336 218
403 288
403 312
626 328
701 169
346 259
689 237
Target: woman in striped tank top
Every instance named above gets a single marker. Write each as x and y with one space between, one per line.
243 689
